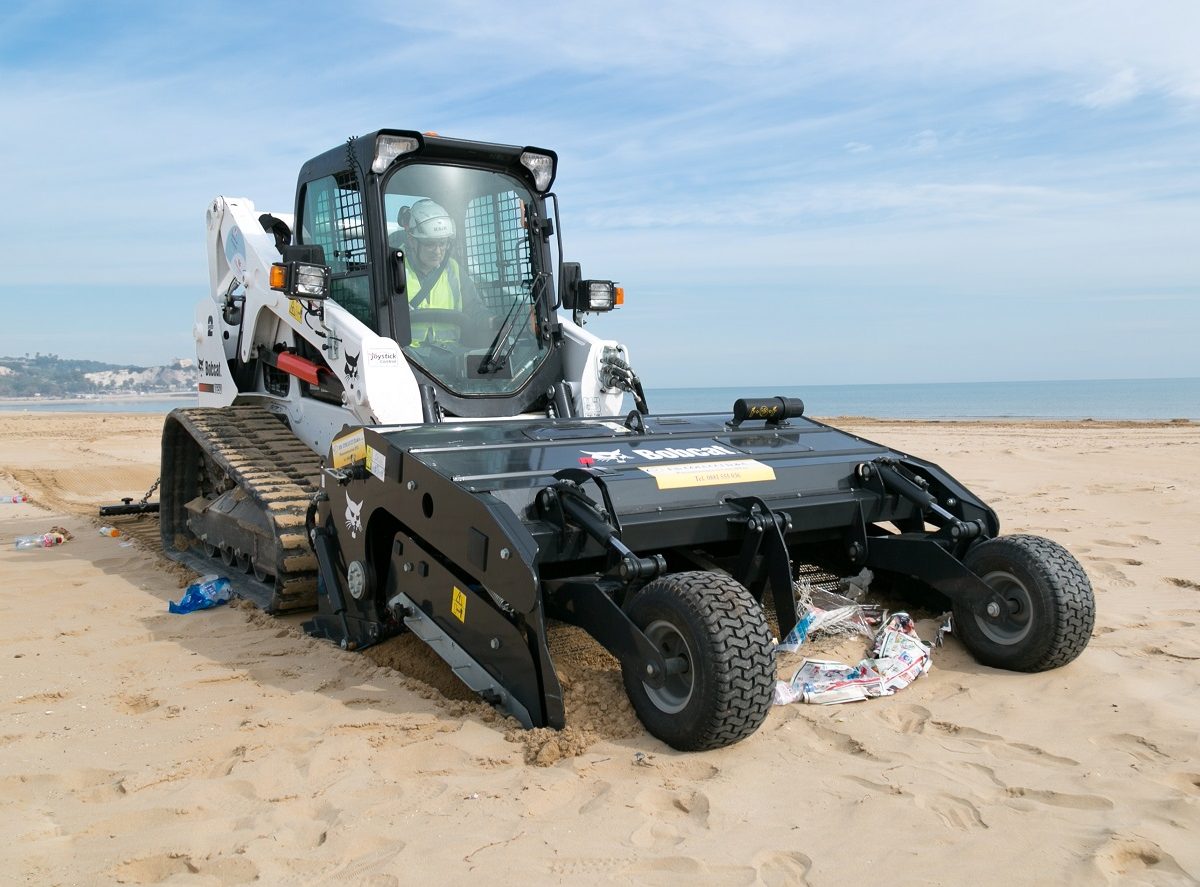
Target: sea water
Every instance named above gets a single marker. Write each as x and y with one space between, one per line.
1137 399
1143 399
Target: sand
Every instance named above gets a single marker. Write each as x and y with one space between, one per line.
226 747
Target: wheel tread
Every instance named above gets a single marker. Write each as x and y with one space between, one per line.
745 667
1072 602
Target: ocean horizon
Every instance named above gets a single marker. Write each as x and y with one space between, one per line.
1098 399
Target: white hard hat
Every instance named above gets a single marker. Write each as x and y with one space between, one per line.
429 221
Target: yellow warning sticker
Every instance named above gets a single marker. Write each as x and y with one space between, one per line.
458 604
709 474
296 310
348 449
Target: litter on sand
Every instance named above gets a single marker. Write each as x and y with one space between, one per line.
830 613
898 657
208 591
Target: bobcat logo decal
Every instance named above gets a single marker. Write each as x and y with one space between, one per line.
353 517
608 456
352 366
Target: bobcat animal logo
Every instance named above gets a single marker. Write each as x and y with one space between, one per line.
609 456
353 517
352 365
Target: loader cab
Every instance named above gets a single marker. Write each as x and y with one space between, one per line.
443 246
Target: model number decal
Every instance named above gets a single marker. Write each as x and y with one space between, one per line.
709 474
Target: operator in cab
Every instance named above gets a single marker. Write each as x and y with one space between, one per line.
434 278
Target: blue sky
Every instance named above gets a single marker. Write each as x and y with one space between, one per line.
790 193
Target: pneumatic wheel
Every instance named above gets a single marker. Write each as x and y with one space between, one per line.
720 666
1043 611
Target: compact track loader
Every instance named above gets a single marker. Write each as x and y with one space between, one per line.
405 424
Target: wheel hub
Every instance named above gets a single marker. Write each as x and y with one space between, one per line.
1007 618
676 691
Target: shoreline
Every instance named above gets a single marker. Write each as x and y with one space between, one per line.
100 398
1046 422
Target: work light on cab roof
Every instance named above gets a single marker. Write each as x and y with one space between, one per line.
389 147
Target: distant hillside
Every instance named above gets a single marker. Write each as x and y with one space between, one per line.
48 375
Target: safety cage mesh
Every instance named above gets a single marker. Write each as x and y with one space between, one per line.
335 221
497 246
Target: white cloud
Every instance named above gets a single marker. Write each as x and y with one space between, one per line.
1117 90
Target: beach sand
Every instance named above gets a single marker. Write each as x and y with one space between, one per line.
225 747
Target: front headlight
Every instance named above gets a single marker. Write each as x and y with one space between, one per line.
601 295
300 280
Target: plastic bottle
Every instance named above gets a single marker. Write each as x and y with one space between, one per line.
45 540
110 531
209 591
14 498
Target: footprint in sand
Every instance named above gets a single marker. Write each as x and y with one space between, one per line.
43 698
1183 583
779 868
1061 799
1126 561
957 813
1109 574
668 814
586 868
154 869
1122 857
999 745
1139 747
136 704
365 868
842 742
906 719
160 867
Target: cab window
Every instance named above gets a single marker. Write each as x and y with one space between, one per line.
332 217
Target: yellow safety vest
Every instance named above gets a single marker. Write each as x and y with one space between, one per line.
445 293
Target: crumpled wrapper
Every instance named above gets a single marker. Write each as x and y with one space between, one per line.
898 657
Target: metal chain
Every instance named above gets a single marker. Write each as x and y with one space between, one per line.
153 487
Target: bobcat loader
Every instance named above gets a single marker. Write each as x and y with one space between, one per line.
404 424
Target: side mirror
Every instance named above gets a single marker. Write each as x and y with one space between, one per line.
568 285
303 273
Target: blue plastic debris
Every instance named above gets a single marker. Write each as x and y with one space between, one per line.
208 591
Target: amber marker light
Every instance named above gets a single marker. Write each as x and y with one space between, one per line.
279 277
620 299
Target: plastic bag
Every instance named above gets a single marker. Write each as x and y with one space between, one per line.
825 612
209 591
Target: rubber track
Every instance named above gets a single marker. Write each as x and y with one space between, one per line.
265 459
